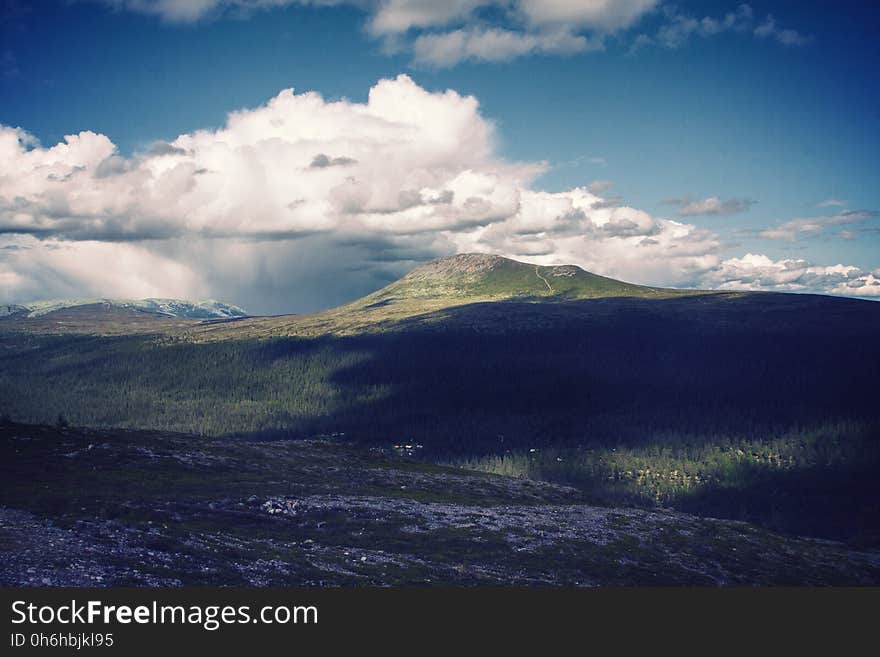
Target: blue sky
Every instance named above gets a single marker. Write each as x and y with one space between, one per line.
762 123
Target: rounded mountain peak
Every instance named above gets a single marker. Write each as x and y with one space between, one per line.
468 277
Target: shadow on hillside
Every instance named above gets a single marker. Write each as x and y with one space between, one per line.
487 378
607 371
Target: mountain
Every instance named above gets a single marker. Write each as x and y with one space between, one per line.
476 276
113 316
178 308
441 285
479 278
489 293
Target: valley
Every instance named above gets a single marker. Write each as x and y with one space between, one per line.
747 418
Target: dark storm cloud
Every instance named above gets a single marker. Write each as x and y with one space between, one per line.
164 148
322 161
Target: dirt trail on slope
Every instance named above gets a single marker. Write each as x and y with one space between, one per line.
546 282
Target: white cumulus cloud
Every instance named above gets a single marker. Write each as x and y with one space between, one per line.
758 272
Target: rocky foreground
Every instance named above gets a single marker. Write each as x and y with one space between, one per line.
84 508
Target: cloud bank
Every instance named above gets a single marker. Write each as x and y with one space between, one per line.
304 203
810 226
441 34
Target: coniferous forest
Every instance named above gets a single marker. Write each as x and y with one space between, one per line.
761 408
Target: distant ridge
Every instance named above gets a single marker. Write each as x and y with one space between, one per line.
208 309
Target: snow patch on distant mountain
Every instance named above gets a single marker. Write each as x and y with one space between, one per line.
12 309
208 309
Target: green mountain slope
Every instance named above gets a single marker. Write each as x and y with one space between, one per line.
475 276
441 285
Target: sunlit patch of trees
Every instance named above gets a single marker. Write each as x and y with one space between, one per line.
818 480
